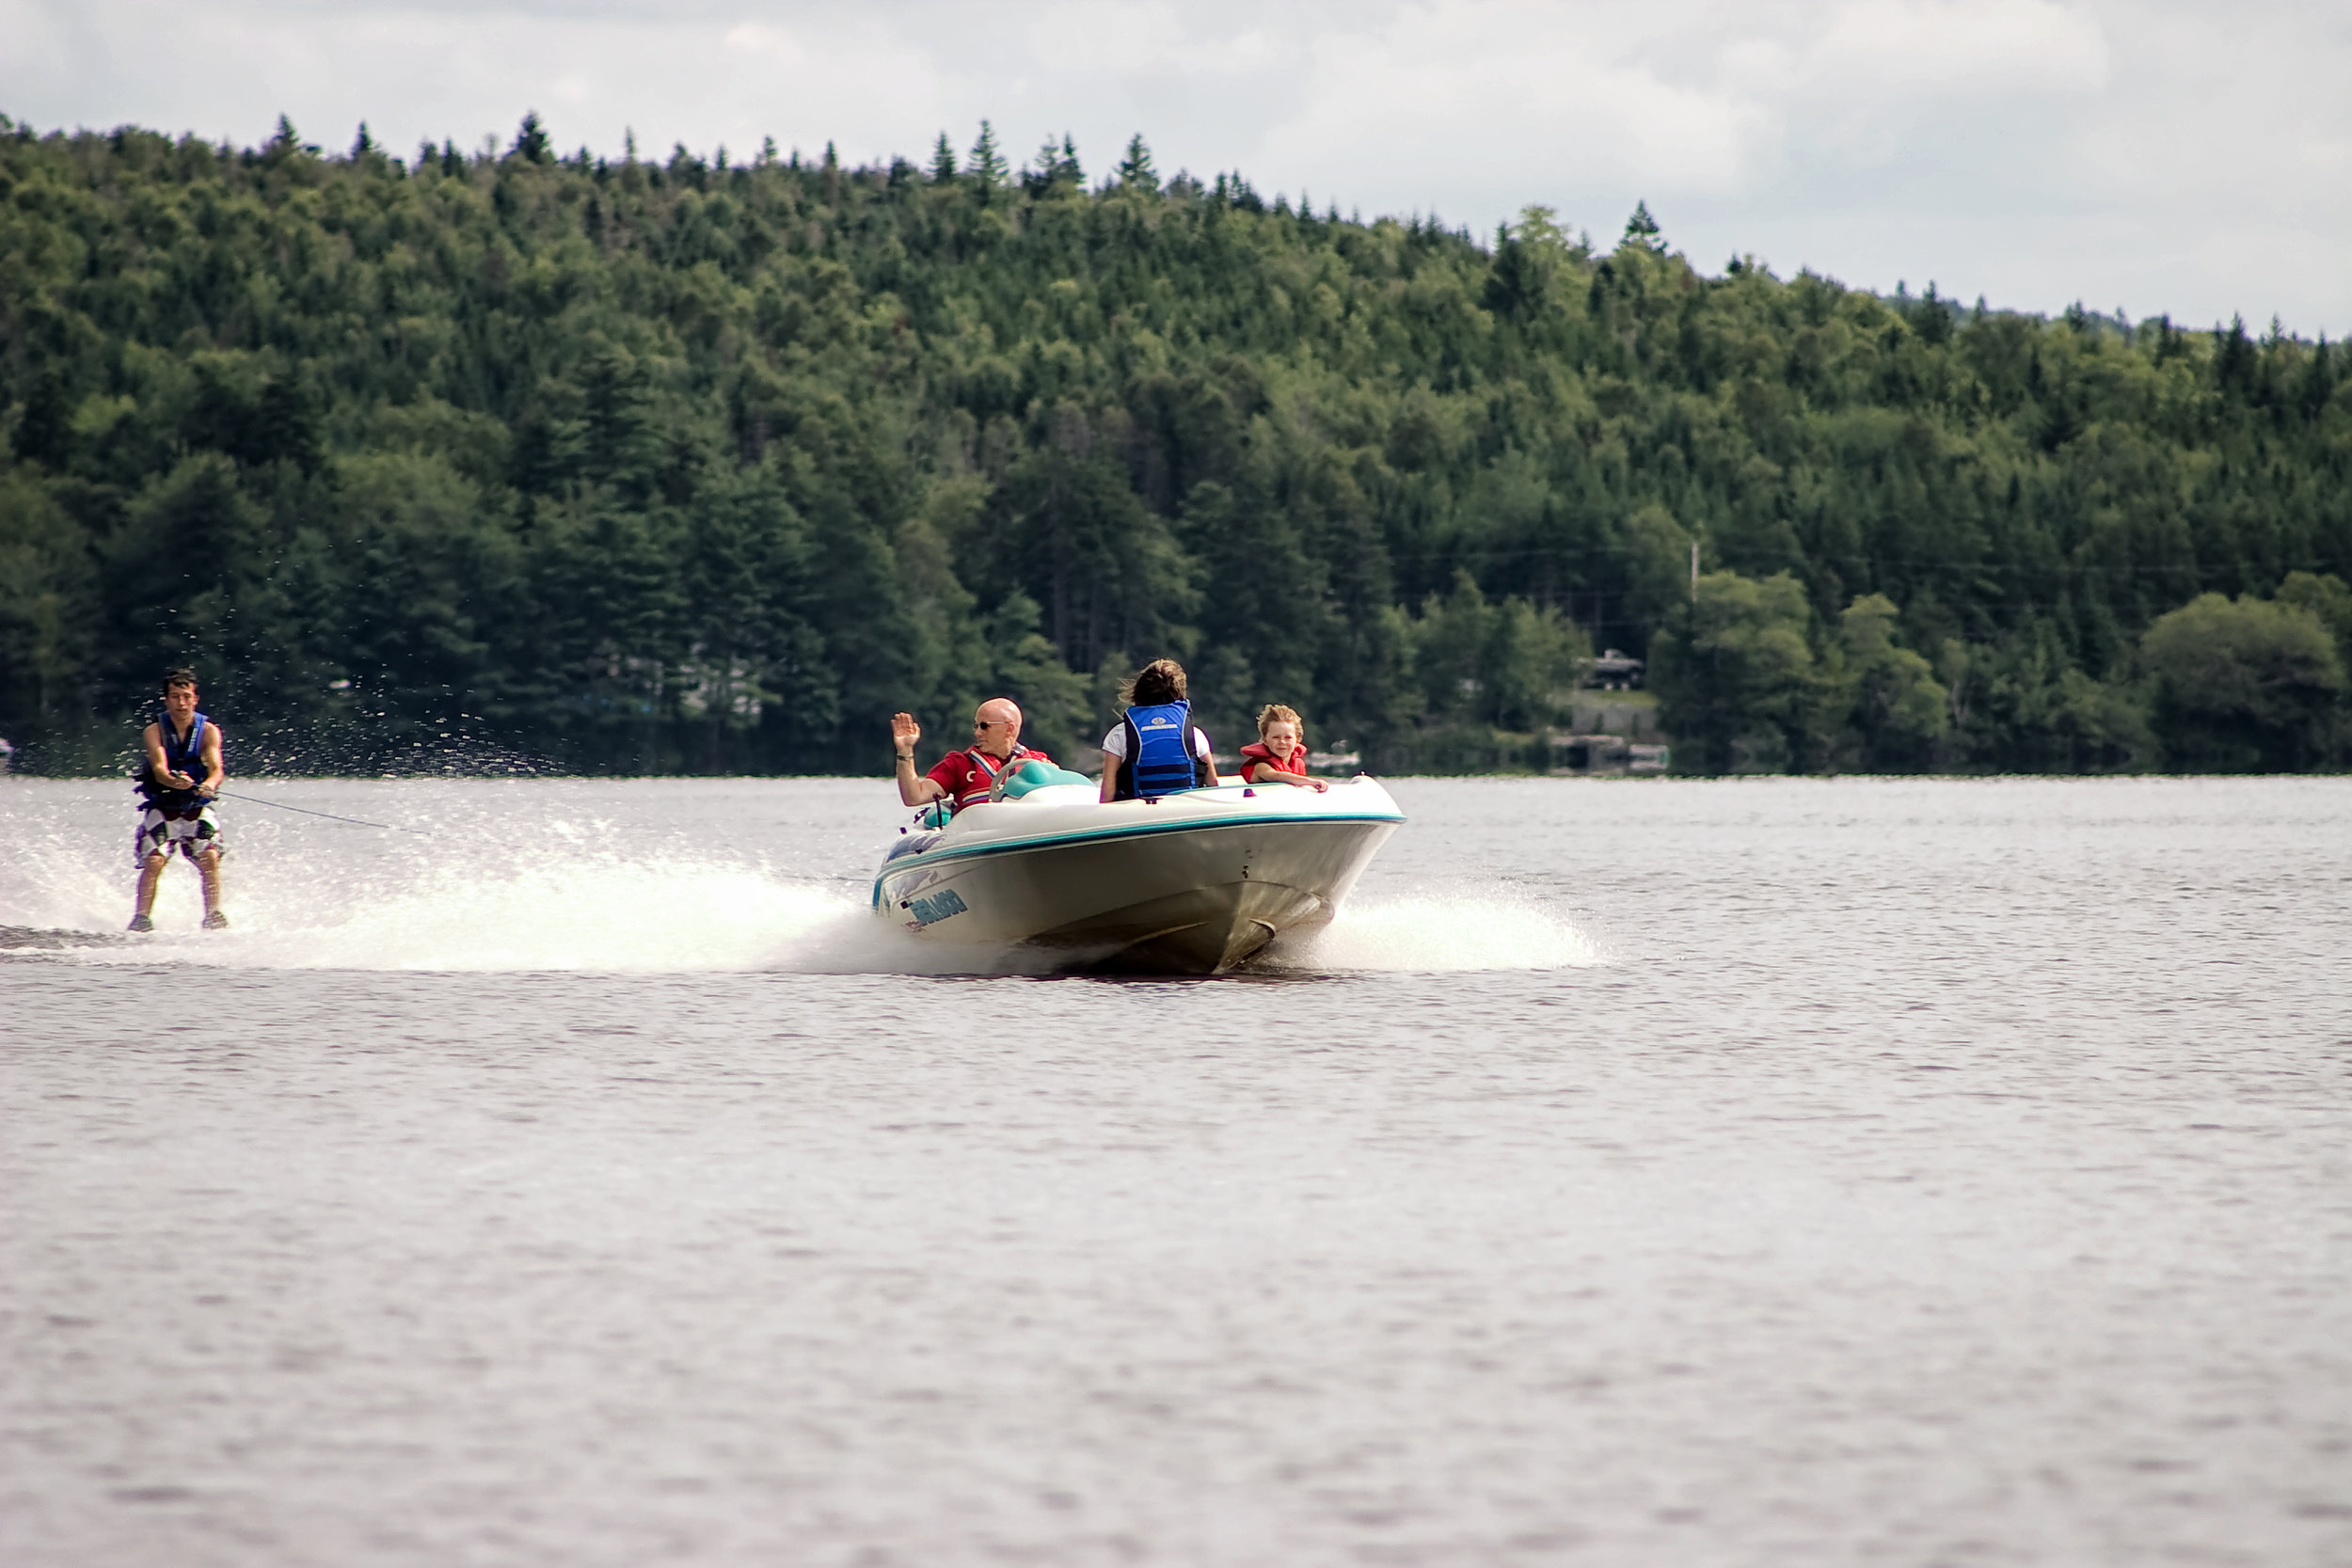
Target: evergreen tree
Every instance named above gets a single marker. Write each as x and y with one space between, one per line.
986 165
1642 229
1896 708
1044 168
1736 678
943 161
651 469
1539 230
1135 172
531 141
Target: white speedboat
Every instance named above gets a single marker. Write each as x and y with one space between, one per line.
1191 883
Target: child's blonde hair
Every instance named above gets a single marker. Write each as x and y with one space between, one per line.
1274 713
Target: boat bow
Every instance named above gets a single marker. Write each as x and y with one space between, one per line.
1190 883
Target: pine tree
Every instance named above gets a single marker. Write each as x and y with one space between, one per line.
1135 170
1055 163
531 141
2319 380
987 165
1038 176
1642 229
707 520
943 161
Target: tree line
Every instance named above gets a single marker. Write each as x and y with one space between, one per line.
503 457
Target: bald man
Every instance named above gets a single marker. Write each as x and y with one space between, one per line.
962 777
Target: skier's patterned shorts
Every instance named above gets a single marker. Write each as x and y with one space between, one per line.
191 834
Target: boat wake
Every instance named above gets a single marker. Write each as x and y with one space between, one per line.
1437 936
580 889
673 917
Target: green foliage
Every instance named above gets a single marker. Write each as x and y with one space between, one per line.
2244 683
1506 665
1738 685
49 602
1135 172
986 165
660 466
1058 715
1642 229
1898 710
2326 598
531 141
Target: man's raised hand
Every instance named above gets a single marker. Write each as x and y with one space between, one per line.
904 731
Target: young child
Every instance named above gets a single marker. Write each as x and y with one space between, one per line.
1281 755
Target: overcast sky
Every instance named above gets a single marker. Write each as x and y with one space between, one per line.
2193 159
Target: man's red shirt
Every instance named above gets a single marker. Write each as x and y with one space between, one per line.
967 779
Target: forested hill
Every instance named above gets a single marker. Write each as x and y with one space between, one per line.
688 464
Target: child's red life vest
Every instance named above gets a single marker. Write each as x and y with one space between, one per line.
1255 755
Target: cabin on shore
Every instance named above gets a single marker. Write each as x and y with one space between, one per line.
1612 730
1599 755
1616 671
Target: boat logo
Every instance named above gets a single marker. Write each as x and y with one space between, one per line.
938 906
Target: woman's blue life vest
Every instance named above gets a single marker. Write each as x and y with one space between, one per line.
1160 759
180 756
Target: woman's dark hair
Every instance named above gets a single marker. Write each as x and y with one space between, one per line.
1158 683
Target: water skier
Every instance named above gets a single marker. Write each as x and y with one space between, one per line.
182 775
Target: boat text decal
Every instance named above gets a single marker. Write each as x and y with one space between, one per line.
938 906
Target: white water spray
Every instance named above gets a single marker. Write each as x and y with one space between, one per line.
1440 935
568 876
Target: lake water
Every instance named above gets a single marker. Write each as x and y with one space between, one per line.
1769 1172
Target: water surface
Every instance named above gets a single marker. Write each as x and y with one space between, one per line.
1642 1172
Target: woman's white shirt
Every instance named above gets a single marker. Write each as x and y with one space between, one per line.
1115 743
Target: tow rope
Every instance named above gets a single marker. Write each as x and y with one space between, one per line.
355 821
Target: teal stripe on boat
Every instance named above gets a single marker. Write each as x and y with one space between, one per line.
1055 841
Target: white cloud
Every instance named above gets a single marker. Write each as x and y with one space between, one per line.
1448 91
2161 154
1983 46
761 37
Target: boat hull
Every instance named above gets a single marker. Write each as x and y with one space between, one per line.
1194 886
